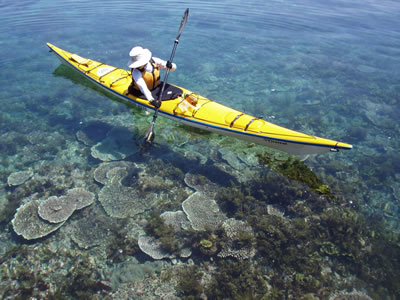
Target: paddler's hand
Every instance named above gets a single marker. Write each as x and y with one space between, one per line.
155 103
171 65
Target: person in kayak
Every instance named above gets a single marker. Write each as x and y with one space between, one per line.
146 72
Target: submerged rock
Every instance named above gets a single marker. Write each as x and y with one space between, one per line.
93 132
116 146
232 159
28 224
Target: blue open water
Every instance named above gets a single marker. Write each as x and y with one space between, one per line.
328 68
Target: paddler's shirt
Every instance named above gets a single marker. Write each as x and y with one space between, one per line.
137 75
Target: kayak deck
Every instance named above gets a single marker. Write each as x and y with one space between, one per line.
206 114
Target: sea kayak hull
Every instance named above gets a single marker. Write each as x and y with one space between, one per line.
206 114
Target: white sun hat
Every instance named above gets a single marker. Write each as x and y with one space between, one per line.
139 57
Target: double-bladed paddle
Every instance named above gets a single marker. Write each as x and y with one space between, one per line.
150 132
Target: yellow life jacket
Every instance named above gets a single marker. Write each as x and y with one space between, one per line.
152 79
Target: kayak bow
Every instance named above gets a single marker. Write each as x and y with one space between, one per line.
202 112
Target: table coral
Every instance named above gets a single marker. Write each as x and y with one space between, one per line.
201 184
153 247
120 201
101 174
202 212
80 197
56 209
240 240
18 178
28 224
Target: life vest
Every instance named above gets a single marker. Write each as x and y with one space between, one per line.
152 79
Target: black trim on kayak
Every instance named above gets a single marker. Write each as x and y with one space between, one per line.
195 112
116 80
234 120
194 121
88 71
248 124
109 72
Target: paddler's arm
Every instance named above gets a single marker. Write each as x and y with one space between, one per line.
163 64
137 76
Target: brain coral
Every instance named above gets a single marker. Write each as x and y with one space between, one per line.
56 209
28 224
202 212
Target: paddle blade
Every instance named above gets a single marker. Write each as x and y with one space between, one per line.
183 23
148 139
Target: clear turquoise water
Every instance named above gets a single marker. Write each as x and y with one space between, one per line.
328 68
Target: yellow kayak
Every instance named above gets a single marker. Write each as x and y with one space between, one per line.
198 111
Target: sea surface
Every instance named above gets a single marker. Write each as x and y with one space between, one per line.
199 215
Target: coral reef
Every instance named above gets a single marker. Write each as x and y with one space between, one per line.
202 212
232 159
28 224
18 178
93 229
80 197
101 175
44 273
240 240
176 219
349 296
162 238
155 248
294 168
121 201
201 184
36 219
189 283
236 280
56 209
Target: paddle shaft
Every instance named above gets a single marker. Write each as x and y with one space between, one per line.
150 132
165 80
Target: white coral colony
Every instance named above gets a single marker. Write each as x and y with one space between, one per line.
28 224
37 219
56 209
